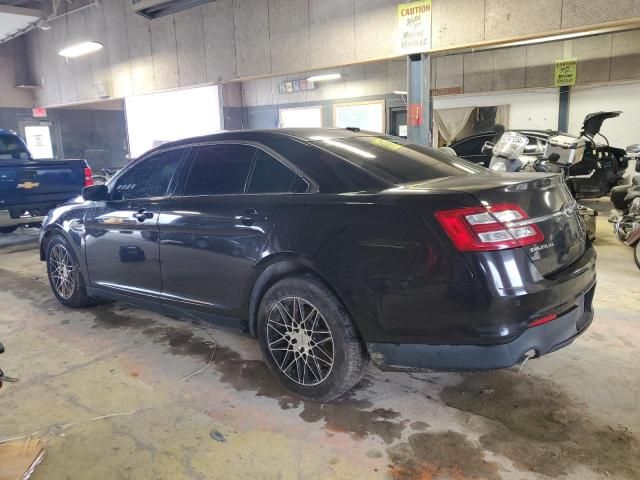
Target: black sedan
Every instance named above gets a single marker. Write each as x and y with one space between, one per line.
334 248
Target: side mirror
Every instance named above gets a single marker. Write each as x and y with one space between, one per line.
487 148
95 193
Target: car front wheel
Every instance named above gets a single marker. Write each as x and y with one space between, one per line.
308 339
65 276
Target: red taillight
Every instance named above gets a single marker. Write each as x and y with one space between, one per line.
88 177
543 320
495 227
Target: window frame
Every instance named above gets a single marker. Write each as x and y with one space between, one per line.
111 185
312 187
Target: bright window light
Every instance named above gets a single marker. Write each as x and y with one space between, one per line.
324 78
80 49
301 117
163 117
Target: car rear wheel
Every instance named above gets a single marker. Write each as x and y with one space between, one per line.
65 276
308 339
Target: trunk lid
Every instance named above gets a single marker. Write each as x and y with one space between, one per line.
543 197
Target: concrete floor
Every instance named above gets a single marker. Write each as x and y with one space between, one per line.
572 414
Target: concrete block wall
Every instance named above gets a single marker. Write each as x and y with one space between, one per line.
603 58
367 80
227 40
10 96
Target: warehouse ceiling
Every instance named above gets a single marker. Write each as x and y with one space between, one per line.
15 18
36 4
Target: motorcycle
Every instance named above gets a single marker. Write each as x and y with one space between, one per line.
627 227
602 167
562 152
623 195
3 377
626 213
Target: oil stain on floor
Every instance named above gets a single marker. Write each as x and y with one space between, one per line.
446 455
351 415
540 429
531 421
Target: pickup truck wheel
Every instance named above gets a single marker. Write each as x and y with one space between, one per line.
308 339
65 276
8 229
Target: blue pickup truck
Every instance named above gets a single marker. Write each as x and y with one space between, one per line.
30 188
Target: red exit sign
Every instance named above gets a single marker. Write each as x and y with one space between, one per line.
39 112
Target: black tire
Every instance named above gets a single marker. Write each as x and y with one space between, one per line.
77 295
348 353
11 229
617 196
636 253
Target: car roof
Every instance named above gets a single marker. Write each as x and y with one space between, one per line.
303 134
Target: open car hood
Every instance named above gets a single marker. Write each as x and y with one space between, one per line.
593 122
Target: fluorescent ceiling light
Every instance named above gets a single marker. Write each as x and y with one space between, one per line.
80 49
400 92
323 78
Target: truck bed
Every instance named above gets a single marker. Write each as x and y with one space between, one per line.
37 186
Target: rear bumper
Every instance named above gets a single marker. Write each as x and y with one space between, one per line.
543 339
7 221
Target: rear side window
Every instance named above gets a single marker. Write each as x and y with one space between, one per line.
271 176
150 177
220 169
12 148
397 161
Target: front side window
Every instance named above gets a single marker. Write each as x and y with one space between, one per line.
150 177
220 169
271 176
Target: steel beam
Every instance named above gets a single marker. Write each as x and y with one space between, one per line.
563 109
419 101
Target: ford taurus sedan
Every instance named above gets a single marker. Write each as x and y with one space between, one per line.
334 248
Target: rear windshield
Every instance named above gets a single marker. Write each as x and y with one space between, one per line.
12 148
397 161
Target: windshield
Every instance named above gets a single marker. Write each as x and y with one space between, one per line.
395 160
12 148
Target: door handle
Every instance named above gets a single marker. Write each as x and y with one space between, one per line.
142 215
250 216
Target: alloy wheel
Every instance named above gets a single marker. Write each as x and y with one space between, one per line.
300 341
63 272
